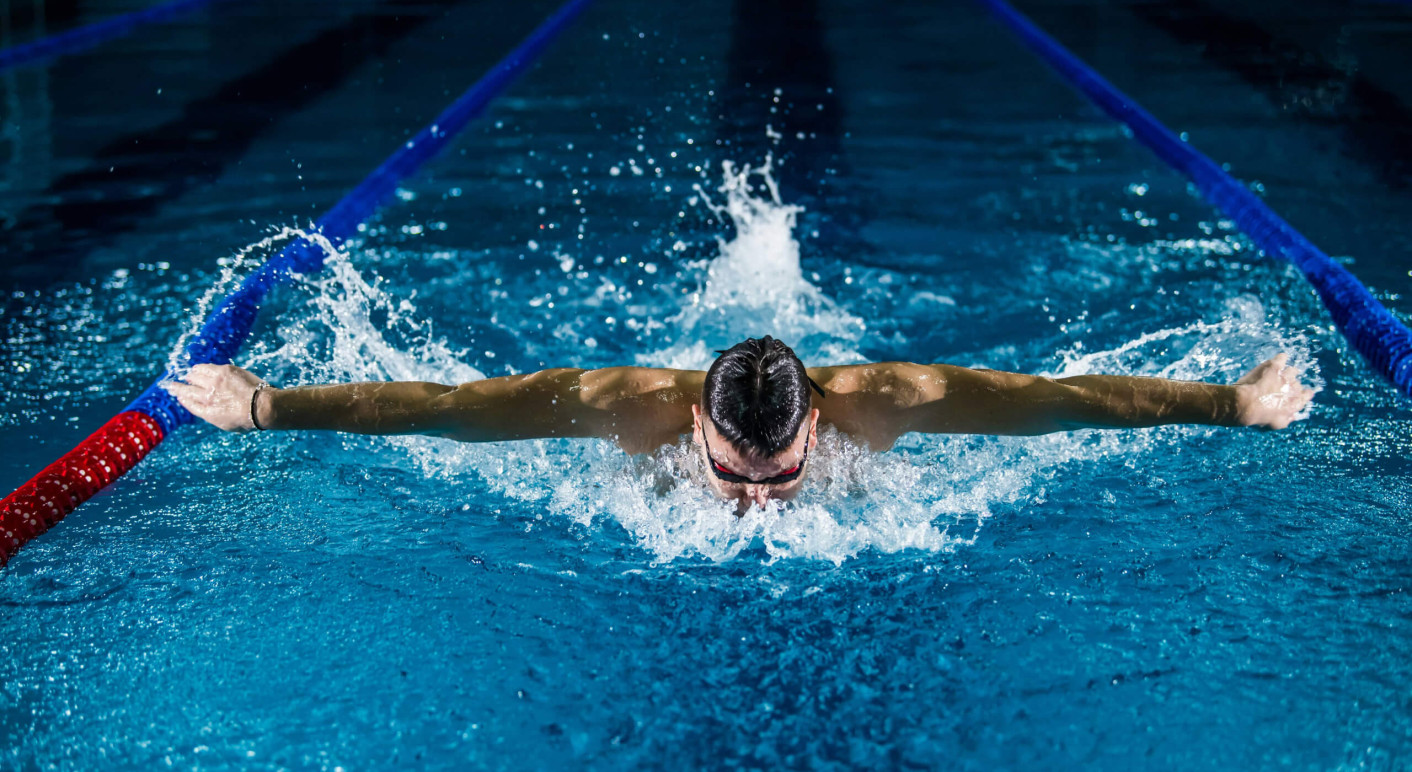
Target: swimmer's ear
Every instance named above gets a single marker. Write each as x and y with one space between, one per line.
817 387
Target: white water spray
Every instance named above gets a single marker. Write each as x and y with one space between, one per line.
756 285
932 494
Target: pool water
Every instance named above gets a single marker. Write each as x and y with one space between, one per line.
894 182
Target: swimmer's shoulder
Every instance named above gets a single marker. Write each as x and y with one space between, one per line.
610 386
870 401
900 383
650 406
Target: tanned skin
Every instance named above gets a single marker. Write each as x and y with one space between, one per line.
643 408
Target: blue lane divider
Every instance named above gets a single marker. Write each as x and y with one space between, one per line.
127 438
228 324
98 32
1372 330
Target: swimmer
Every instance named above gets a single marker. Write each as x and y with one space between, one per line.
754 415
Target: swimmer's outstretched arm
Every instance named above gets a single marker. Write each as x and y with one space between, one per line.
629 404
902 397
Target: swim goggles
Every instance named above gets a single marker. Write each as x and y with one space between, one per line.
788 475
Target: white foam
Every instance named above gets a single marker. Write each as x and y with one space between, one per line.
352 329
755 286
932 493
1219 351
233 270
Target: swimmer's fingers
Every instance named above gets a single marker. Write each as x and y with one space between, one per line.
198 401
1287 408
190 397
1295 396
217 376
1269 369
1272 394
1289 376
217 394
202 376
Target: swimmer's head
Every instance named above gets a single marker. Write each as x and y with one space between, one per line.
755 425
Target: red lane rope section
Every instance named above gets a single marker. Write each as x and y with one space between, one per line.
122 442
105 456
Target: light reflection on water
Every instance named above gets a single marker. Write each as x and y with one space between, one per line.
1177 598
947 586
346 324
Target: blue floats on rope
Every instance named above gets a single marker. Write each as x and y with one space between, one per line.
1372 330
228 325
99 32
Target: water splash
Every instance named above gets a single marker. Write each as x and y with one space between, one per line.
1219 351
933 493
756 284
233 269
352 328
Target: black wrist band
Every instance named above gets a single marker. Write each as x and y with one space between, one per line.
254 397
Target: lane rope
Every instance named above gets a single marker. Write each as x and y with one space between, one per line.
90 35
1383 340
128 437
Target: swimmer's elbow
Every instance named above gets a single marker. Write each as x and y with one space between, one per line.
466 413
980 401
547 403
1065 405
564 402
599 389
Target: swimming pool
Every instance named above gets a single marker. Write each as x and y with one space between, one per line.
1179 598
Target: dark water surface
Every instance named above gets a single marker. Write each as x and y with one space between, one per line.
1180 598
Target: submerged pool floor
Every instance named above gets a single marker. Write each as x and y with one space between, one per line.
867 183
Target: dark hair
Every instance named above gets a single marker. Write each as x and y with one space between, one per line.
757 395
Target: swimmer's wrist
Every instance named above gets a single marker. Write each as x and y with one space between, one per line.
1245 399
264 409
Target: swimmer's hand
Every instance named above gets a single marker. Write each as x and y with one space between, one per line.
220 395
640 408
1271 396
881 402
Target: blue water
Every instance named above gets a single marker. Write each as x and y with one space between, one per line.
1178 598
